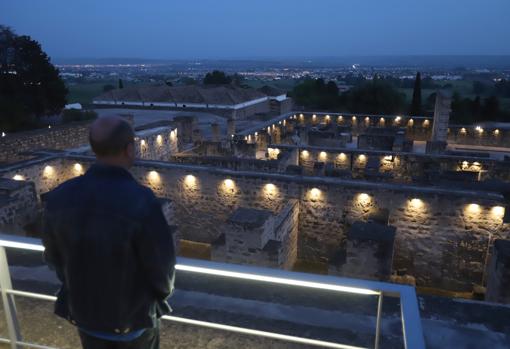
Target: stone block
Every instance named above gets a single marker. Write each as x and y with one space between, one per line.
498 279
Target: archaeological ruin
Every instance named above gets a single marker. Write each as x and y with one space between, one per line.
339 194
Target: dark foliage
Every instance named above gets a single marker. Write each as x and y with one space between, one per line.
217 78
374 97
121 83
69 115
416 108
108 87
30 86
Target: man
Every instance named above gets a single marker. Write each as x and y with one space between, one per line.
107 238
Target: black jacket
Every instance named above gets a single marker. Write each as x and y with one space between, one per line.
107 238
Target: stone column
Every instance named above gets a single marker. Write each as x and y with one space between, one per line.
215 129
231 127
498 273
186 125
437 143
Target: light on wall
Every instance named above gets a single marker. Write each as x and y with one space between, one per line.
327 117
228 186
382 121
342 157
496 132
305 153
463 131
78 168
398 118
270 189
153 177
159 139
18 177
353 118
416 203
190 181
340 118
362 158
498 212
426 123
410 122
142 142
473 208
323 156
48 171
315 193
172 134
363 198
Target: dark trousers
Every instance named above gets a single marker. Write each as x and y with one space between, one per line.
148 340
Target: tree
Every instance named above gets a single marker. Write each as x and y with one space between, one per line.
490 110
315 93
217 78
416 108
374 97
30 86
479 87
121 84
108 87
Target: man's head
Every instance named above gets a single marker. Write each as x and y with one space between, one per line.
112 140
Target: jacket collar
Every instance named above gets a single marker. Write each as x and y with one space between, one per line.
98 169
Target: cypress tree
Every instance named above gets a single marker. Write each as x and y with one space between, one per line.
416 102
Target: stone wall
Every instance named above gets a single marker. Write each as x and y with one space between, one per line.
61 137
442 235
394 166
156 143
417 128
18 204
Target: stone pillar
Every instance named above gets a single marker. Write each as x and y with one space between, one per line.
196 136
262 141
186 125
231 127
498 273
368 252
437 143
215 129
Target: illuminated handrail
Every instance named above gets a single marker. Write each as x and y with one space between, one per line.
411 322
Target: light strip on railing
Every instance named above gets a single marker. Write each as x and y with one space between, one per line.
248 331
275 280
21 245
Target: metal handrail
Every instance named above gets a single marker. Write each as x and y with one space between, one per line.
411 322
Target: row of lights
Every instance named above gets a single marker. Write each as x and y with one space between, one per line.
49 171
478 129
270 188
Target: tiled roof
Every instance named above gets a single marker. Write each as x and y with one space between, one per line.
225 94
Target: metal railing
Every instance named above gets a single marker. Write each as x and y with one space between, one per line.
410 316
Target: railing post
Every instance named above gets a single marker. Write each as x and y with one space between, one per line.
378 321
8 301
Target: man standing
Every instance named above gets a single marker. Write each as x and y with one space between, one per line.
107 238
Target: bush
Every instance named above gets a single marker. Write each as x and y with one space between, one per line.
69 115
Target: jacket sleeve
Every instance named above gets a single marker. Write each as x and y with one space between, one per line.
51 255
156 250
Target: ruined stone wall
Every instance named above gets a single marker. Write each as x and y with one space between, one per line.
417 128
403 167
61 137
442 236
18 204
156 143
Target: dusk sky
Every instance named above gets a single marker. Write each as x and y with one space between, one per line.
265 28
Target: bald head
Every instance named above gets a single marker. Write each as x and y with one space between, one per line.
111 136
